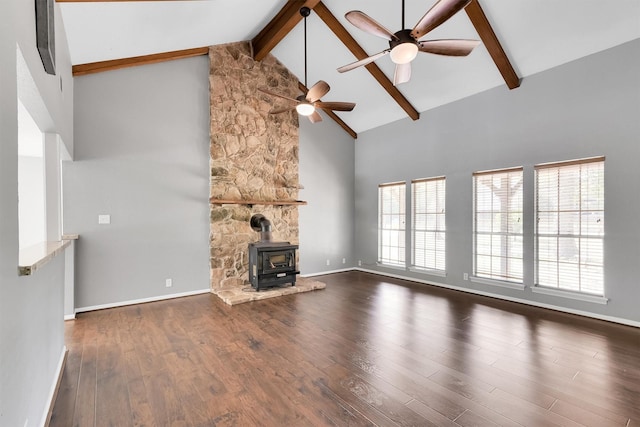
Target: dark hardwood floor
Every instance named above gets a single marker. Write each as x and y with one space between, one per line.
367 350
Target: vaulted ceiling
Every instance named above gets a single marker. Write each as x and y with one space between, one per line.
530 36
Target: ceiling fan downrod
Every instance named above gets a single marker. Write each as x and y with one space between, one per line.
304 107
305 11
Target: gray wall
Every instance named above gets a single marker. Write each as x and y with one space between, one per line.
31 308
326 172
586 108
141 156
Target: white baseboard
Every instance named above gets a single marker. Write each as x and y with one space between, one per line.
141 301
69 316
506 298
53 392
322 273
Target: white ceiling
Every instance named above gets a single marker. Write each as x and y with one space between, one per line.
535 34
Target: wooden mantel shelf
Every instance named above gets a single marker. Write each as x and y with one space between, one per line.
256 202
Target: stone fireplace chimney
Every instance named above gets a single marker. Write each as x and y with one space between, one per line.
253 157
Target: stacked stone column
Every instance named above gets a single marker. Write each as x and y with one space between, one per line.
253 156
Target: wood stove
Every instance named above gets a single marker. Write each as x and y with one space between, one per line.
270 263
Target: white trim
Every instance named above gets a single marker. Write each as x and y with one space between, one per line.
499 283
141 300
596 299
54 387
70 316
322 273
506 298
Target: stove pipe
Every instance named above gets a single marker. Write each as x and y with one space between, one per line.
260 223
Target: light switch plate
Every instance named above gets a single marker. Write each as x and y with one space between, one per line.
104 219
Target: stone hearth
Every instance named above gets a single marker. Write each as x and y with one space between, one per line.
238 295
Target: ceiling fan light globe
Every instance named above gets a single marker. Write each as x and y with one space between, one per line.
404 53
305 109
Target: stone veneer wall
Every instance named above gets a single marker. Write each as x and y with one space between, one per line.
254 156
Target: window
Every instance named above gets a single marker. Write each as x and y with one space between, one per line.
428 227
497 224
570 225
391 224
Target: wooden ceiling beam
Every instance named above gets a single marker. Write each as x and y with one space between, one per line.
333 115
341 32
491 42
279 27
114 64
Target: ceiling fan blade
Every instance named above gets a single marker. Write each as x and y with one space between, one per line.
337 106
315 117
369 25
317 91
448 47
402 73
362 62
435 16
268 92
281 110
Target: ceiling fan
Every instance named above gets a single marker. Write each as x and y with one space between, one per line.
307 104
405 44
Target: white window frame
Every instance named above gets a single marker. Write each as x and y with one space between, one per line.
392 224
498 247
428 224
570 215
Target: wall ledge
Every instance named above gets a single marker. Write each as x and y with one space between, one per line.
35 256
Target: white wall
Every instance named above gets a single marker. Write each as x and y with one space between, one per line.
589 107
31 204
31 180
31 308
141 156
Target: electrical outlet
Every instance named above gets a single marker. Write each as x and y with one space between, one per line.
359 263
168 283
344 260
104 219
465 276
328 262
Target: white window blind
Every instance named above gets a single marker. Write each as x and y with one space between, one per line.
570 225
428 223
391 224
498 225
